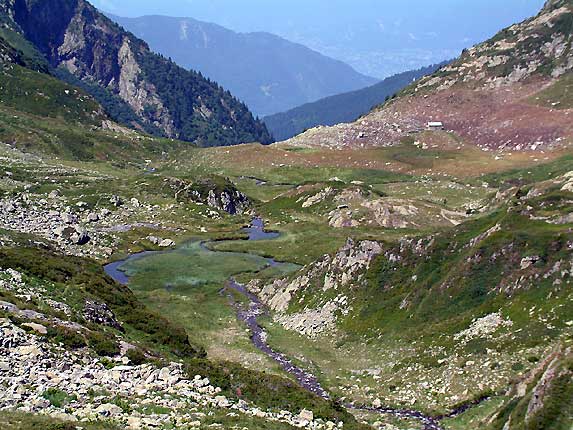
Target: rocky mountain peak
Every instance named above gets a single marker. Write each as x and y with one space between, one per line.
136 86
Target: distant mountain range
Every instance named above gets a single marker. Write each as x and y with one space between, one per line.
268 73
377 38
341 108
73 41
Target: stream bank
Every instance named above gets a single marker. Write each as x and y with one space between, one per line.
250 313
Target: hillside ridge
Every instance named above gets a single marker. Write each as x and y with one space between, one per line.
486 97
340 108
88 49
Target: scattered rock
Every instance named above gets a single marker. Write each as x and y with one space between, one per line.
38 328
116 201
306 415
108 410
100 313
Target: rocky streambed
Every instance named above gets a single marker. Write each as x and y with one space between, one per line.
249 312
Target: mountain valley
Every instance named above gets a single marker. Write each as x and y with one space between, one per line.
268 73
386 273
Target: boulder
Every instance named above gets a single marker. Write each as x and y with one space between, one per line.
222 402
164 374
79 237
306 415
134 423
116 201
69 218
154 239
38 328
108 410
166 243
100 313
7 306
93 217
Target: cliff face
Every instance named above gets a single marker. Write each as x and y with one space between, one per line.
77 40
556 4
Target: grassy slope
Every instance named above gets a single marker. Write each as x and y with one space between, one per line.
77 279
41 114
444 291
556 409
558 96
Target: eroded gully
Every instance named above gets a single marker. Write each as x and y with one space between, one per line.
250 313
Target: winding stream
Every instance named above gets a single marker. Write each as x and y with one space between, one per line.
250 314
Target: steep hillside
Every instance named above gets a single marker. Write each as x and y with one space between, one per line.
134 85
451 318
488 97
46 116
268 73
340 108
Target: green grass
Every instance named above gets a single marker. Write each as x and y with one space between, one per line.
189 266
185 286
40 94
530 175
27 54
57 398
446 287
474 417
558 96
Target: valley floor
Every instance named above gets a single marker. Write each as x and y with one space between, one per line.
316 202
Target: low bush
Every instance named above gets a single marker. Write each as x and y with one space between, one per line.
69 338
103 344
57 398
88 276
136 356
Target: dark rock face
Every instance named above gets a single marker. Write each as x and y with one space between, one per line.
555 4
218 193
232 202
87 48
100 313
42 25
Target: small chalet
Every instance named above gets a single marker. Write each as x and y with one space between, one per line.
435 125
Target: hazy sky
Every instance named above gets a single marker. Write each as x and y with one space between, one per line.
371 35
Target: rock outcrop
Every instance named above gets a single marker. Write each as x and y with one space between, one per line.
344 269
216 192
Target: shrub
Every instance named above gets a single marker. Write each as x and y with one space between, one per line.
136 356
267 391
103 345
89 277
57 398
68 338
